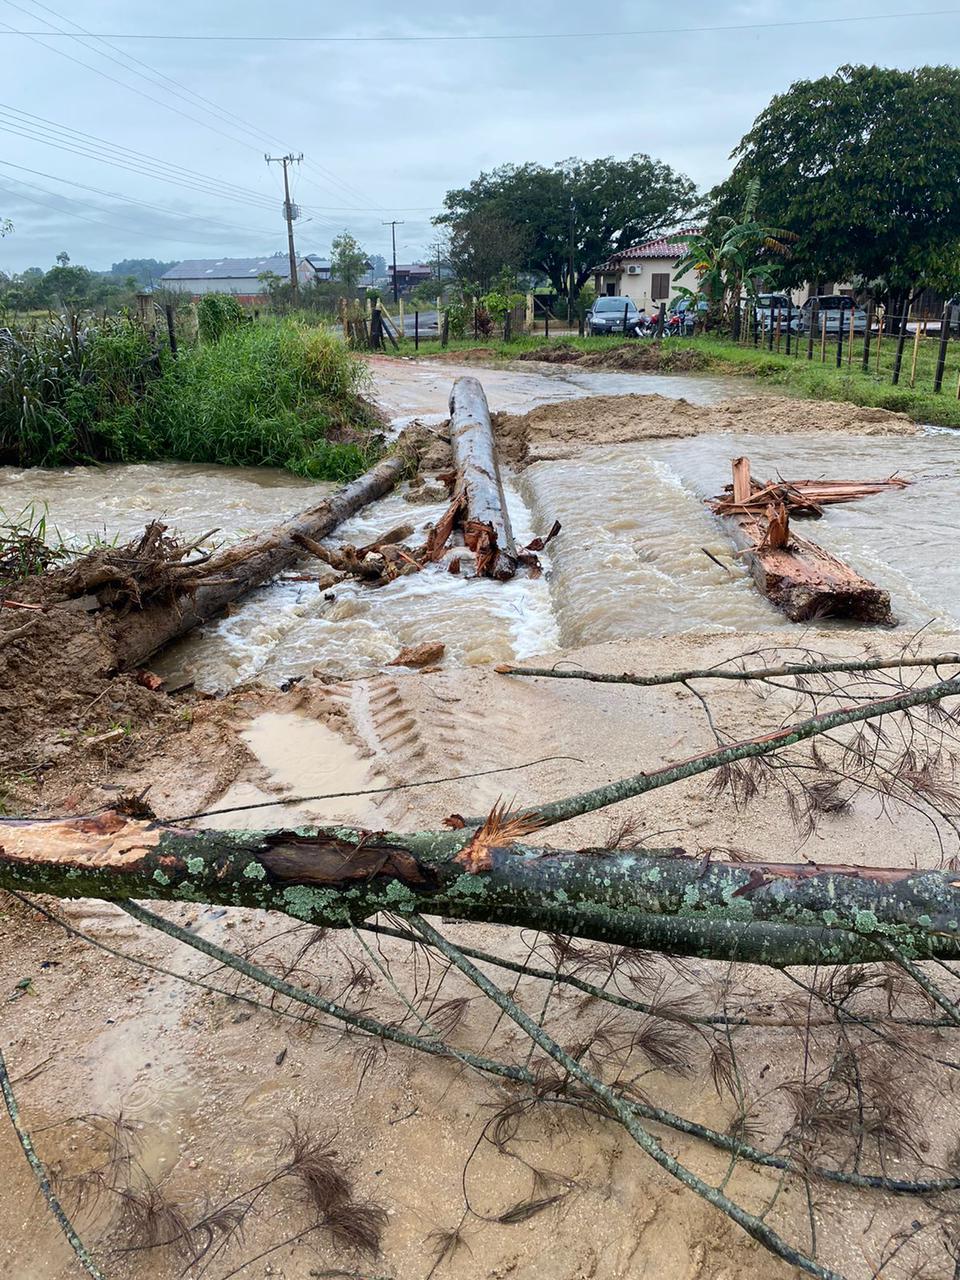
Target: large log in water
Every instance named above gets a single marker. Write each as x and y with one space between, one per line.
759 912
486 524
238 569
798 576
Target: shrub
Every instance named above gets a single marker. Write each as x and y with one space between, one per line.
72 392
281 393
216 314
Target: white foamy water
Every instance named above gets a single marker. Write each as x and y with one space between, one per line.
630 560
291 629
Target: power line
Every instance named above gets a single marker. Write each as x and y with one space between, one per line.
145 204
66 138
98 222
6 30
504 36
157 77
160 77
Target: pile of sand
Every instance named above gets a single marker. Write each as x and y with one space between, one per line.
622 419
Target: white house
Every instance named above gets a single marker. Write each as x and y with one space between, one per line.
237 276
645 272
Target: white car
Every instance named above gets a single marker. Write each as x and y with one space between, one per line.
767 306
836 308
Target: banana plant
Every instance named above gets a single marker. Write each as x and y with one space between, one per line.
734 255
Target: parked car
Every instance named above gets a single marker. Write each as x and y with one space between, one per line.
611 315
836 308
779 304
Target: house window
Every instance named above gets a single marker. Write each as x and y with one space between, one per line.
660 286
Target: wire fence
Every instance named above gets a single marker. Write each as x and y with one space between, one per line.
918 351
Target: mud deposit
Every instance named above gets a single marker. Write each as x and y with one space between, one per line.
199 1088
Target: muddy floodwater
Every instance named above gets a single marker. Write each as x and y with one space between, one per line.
631 559
408 388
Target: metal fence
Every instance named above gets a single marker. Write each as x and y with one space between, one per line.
924 351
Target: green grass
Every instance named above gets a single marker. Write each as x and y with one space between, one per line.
280 393
824 381
277 394
809 379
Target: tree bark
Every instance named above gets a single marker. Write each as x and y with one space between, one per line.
238 569
796 575
757 912
478 497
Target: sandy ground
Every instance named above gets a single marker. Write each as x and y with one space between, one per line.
562 429
208 1085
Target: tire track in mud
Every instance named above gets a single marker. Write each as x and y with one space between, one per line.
418 729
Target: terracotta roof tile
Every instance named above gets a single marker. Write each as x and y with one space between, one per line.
668 246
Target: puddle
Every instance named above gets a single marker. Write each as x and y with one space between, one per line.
301 756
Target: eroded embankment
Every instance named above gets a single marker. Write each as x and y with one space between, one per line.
573 424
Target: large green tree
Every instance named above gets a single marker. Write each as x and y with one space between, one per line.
348 261
595 206
864 165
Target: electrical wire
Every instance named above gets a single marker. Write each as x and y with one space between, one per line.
63 137
159 77
167 82
539 36
144 204
99 222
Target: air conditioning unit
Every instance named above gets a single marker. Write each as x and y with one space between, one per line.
633 269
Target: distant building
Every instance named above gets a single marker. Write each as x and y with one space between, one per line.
321 266
645 272
409 275
237 276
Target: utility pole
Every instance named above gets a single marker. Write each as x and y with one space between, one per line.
570 271
393 232
290 211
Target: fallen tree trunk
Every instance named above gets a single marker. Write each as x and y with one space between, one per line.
797 576
757 912
478 503
149 595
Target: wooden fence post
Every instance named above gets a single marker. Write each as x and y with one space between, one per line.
376 329
814 317
942 349
901 339
865 364
823 339
528 314
171 329
913 358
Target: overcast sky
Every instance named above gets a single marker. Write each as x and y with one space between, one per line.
385 127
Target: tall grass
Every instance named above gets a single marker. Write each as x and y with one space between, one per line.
276 394
69 392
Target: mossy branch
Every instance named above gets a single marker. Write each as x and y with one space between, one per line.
767 913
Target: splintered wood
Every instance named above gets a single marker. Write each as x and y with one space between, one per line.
796 575
800 497
479 509
473 535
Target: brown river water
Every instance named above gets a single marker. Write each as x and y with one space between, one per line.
630 560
